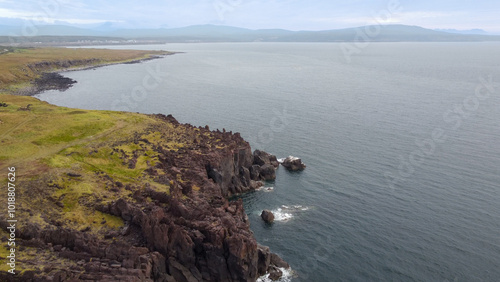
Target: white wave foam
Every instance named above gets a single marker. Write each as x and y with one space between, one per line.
294 208
287 276
265 189
301 208
280 215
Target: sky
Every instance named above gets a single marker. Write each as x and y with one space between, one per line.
255 14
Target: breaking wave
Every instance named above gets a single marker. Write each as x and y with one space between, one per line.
288 274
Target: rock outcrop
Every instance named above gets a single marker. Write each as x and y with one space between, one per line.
262 158
264 166
189 233
275 273
267 216
293 164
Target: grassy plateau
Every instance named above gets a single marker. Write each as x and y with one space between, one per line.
67 160
19 67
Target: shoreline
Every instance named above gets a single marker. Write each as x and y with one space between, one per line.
172 178
54 80
177 169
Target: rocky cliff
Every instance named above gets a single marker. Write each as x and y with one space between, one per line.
143 204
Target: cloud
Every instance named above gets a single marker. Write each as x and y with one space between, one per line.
12 14
47 17
287 14
419 15
86 21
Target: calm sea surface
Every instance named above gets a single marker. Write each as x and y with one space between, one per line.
401 142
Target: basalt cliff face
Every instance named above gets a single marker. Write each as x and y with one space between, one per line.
188 231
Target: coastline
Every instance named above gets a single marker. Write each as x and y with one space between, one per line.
181 174
54 80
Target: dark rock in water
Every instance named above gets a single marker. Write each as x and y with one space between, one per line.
279 262
262 158
267 216
269 263
263 166
275 273
267 172
274 161
293 164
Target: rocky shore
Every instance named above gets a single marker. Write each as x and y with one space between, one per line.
188 232
50 80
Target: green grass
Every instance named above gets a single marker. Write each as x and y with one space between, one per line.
21 66
68 160
51 141
72 133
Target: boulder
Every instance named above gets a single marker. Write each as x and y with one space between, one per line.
274 161
267 216
275 273
267 172
278 261
262 158
255 172
293 164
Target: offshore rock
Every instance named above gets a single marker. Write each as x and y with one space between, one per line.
263 167
267 172
293 164
267 216
275 273
262 158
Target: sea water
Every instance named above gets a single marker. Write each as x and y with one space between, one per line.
401 143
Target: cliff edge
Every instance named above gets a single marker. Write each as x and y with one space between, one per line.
111 196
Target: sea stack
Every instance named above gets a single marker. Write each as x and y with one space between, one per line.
267 216
293 164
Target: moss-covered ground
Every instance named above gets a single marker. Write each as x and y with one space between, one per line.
68 160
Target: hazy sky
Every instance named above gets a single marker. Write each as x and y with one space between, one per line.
287 14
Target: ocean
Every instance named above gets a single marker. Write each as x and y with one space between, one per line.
401 143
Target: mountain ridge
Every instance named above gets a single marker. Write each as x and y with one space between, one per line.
220 33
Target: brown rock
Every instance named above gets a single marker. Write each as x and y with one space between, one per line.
293 164
262 158
267 216
264 259
188 233
275 273
267 172
278 261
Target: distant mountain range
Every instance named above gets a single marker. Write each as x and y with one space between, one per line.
470 31
217 33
